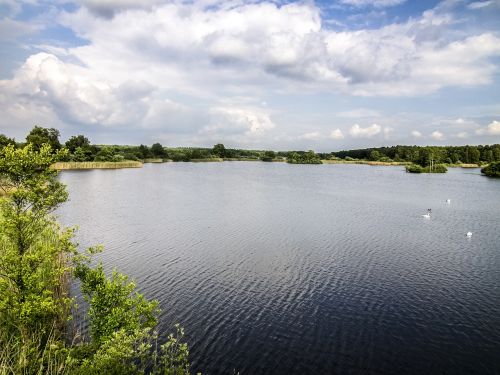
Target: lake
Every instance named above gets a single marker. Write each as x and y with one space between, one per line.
306 269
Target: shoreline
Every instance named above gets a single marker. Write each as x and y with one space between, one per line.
60 166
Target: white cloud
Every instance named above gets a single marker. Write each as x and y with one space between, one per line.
437 135
479 4
237 124
358 132
311 136
337 134
108 8
373 3
416 134
492 129
273 45
461 135
158 65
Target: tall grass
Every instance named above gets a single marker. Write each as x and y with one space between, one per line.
96 165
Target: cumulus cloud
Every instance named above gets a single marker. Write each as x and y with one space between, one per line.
311 136
237 124
437 135
373 3
337 134
108 8
461 135
153 64
492 129
286 43
358 132
416 134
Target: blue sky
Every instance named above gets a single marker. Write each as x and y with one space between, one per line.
324 75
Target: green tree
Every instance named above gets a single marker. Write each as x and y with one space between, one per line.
492 169
77 141
268 156
5 141
144 152
39 136
37 260
106 153
157 150
33 293
375 155
219 150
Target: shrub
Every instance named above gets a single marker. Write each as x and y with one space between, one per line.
492 169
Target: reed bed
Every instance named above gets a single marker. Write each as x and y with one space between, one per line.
96 165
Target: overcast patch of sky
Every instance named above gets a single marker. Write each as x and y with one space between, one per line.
279 102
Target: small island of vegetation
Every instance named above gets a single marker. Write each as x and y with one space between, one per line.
492 169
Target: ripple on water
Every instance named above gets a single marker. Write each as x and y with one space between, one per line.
279 269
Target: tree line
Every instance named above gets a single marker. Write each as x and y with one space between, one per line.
79 149
425 155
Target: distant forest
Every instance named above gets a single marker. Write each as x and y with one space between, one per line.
80 149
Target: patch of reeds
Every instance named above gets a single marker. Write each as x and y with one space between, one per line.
96 165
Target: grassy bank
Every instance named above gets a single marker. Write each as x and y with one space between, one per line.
96 165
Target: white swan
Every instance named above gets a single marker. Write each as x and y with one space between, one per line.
469 234
448 201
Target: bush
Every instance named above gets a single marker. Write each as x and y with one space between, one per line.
492 169
414 168
438 168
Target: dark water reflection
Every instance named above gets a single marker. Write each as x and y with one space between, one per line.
279 269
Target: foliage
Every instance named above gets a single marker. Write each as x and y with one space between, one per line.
157 150
34 300
415 168
268 156
303 158
37 261
39 136
5 141
219 150
424 155
492 169
77 141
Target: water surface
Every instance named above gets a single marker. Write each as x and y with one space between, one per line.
278 269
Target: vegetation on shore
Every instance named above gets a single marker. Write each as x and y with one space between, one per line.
415 168
309 157
38 263
81 150
492 169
